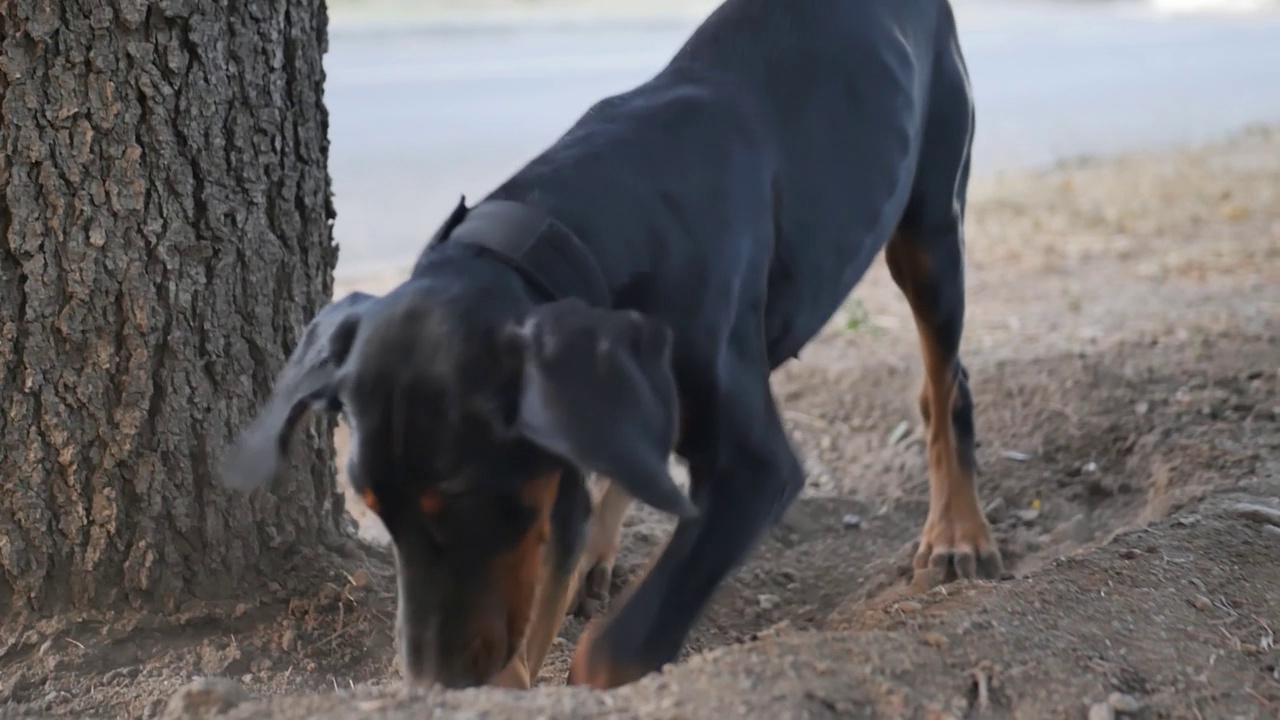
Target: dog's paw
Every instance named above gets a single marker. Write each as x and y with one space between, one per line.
593 666
957 545
593 593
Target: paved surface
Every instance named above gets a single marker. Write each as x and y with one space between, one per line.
419 116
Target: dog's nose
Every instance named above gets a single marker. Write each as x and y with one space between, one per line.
421 683
422 669
419 665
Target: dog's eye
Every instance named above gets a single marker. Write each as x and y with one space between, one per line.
431 502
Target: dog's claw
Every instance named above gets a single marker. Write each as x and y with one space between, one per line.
990 565
953 565
957 564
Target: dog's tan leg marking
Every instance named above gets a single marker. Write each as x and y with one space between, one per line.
601 549
528 587
556 591
550 606
554 598
956 539
956 530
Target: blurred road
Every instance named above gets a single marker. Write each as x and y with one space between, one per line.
418 117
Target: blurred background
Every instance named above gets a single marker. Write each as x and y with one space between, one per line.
429 99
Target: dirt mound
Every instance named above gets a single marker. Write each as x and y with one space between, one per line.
1124 347
1127 619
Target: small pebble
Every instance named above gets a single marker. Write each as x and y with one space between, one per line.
936 640
1187 520
1124 703
1015 455
851 520
1201 602
55 699
769 602
1075 530
899 432
775 629
1027 516
1090 467
204 697
1101 711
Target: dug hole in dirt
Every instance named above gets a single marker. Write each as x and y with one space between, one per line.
1122 340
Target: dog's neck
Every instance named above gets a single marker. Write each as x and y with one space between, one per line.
552 263
478 282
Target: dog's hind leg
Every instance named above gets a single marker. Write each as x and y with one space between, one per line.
956 538
926 260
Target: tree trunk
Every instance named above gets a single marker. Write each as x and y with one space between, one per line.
165 235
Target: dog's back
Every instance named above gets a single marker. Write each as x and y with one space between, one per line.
773 157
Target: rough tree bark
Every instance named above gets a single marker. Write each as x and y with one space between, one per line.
165 234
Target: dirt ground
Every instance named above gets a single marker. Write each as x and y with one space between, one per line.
1124 345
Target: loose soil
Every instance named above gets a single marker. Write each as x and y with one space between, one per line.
1124 344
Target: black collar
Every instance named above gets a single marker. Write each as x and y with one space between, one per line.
543 251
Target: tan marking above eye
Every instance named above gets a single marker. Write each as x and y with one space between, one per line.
370 500
431 502
541 494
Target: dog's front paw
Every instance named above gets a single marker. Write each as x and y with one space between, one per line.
595 666
957 544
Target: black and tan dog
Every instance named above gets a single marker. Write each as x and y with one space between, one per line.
628 293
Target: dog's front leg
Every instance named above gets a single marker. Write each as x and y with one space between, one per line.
596 571
743 477
555 593
558 579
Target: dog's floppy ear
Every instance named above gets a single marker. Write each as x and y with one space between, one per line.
598 391
305 382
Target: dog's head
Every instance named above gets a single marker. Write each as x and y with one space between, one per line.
460 429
